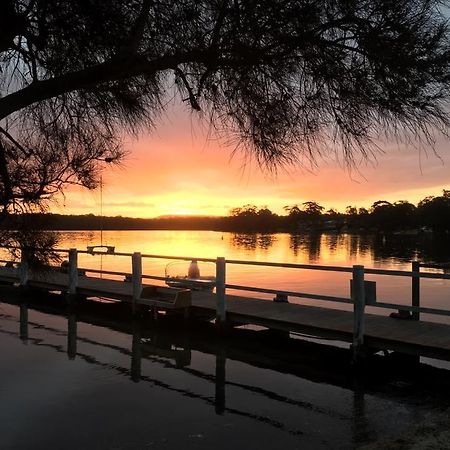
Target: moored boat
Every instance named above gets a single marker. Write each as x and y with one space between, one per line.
195 276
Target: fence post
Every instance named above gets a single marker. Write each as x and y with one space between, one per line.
136 270
220 290
73 271
415 289
24 269
358 298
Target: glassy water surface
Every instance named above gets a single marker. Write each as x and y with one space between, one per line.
70 381
67 383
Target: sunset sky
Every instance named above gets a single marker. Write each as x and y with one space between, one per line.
178 170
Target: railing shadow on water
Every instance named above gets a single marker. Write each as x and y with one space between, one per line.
320 363
159 344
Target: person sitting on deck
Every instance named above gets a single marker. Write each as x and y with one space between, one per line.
193 271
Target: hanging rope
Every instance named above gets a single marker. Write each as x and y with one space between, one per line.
101 210
101 224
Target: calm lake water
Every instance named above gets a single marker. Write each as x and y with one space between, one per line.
72 379
394 252
70 382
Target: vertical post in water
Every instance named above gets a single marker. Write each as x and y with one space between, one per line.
415 289
358 298
136 270
220 291
73 271
23 270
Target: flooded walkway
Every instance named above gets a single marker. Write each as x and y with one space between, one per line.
80 380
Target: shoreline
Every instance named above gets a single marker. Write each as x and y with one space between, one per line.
431 434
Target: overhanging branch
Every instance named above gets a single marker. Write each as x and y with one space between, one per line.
112 70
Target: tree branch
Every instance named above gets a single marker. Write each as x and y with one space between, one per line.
138 30
111 70
192 99
4 175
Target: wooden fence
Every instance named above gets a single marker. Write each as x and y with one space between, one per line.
362 292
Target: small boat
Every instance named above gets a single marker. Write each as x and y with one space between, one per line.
182 274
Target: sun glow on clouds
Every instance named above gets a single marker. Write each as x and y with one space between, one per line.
178 171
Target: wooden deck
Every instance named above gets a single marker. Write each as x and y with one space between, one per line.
381 332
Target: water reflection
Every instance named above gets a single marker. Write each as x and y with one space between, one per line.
220 380
262 379
23 331
72 335
253 241
163 348
136 352
157 344
318 247
308 244
389 246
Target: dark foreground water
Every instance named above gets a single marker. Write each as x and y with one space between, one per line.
67 381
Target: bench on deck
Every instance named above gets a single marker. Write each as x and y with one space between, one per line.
165 297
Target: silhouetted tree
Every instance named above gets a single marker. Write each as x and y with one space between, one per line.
294 218
313 208
252 218
363 211
313 214
393 216
332 212
380 213
284 78
434 212
404 215
362 219
357 218
352 216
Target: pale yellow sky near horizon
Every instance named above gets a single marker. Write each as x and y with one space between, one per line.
176 169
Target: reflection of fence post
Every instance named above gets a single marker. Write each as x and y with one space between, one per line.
136 270
23 331
219 401
73 271
136 351
23 270
358 298
220 290
72 335
415 289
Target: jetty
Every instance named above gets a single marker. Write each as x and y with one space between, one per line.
401 331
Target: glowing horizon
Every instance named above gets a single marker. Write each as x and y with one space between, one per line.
178 171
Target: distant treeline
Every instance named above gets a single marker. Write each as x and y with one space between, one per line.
430 214
92 222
